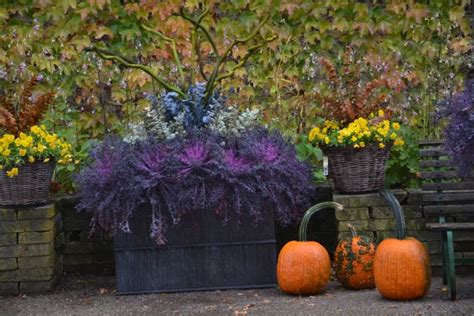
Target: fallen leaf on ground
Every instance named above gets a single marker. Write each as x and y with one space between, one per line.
103 291
444 289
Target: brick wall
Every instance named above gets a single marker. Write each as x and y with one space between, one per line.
30 260
82 252
371 216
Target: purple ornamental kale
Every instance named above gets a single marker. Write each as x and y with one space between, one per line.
283 180
105 187
459 133
246 176
197 155
155 168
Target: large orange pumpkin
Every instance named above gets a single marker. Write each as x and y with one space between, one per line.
304 267
402 269
353 261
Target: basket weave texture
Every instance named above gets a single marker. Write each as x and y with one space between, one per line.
30 186
357 170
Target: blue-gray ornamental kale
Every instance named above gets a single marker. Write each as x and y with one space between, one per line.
170 115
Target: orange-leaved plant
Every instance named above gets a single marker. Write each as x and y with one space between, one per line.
360 86
27 111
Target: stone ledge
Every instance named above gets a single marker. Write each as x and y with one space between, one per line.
9 288
26 250
354 213
40 274
37 262
8 264
39 212
36 237
8 239
367 200
7 214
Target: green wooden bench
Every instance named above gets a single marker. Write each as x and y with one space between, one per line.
446 195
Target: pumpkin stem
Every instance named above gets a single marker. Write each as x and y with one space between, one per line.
353 230
397 211
314 209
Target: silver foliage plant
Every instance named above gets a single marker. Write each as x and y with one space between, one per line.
228 121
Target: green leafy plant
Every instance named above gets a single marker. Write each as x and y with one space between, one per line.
403 164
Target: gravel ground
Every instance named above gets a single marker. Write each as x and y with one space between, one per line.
94 295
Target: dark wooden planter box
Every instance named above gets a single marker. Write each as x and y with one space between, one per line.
201 254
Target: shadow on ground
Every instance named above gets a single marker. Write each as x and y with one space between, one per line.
94 295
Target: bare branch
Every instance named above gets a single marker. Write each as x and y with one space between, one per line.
244 59
107 55
197 24
215 72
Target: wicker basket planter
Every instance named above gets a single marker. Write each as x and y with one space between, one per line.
30 186
357 170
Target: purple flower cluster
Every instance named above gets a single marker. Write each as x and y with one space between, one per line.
246 176
459 133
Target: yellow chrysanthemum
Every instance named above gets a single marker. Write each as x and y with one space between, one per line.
396 126
313 133
31 159
22 152
381 113
13 172
381 145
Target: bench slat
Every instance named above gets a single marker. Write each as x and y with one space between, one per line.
431 142
451 210
448 186
433 152
436 163
448 197
439 175
450 226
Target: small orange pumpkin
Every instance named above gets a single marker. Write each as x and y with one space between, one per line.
402 269
304 267
353 261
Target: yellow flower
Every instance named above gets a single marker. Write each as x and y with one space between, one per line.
1 167
399 142
22 152
381 145
41 148
31 159
393 136
396 126
381 113
13 172
356 146
6 152
313 133
362 144
326 140
76 161
60 161
46 160
35 129
354 138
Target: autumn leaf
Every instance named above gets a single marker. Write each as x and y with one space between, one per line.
289 7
